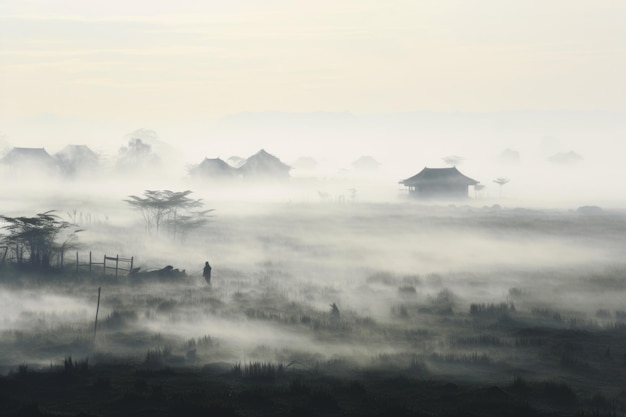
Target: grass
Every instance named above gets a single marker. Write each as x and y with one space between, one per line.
263 338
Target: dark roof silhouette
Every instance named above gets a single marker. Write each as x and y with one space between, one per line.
264 165
213 168
439 175
439 183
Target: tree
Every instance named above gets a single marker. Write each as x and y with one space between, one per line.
478 189
501 181
453 160
185 223
40 236
169 208
137 155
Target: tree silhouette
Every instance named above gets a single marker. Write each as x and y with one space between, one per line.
478 189
137 155
453 160
41 236
170 208
501 181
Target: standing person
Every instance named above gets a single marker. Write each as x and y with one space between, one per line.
206 273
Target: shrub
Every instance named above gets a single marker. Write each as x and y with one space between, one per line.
155 357
71 367
492 309
559 392
407 289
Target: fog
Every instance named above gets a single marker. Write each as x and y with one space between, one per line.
402 144
448 288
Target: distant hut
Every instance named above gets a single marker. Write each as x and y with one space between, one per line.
75 160
446 183
566 158
365 163
29 162
263 165
214 168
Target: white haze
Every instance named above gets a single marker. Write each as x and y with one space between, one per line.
403 143
281 247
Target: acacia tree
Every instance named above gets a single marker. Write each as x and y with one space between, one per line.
40 236
501 181
169 208
185 223
453 160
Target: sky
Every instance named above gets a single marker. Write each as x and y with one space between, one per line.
191 59
92 72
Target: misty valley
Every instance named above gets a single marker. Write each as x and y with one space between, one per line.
320 308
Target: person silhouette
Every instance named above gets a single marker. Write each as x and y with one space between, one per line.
206 272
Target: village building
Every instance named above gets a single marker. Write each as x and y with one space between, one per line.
20 162
365 163
444 183
78 160
263 165
213 168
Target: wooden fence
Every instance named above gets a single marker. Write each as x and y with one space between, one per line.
109 263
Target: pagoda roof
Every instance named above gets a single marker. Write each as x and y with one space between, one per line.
439 175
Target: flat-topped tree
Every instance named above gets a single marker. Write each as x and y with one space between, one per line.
501 181
172 208
40 236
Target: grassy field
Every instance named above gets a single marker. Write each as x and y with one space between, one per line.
442 311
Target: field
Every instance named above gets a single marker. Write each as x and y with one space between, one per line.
442 310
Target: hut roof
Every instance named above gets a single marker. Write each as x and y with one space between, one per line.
75 153
264 164
366 163
214 167
77 159
19 156
439 175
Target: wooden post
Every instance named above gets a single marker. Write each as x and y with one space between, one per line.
117 261
131 265
89 262
76 261
104 265
95 326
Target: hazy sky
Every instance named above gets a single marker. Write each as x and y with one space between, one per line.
186 59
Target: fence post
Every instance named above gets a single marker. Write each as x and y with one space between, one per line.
76 261
117 261
104 265
89 262
130 271
95 326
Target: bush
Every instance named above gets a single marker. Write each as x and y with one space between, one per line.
71 367
492 309
155 357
